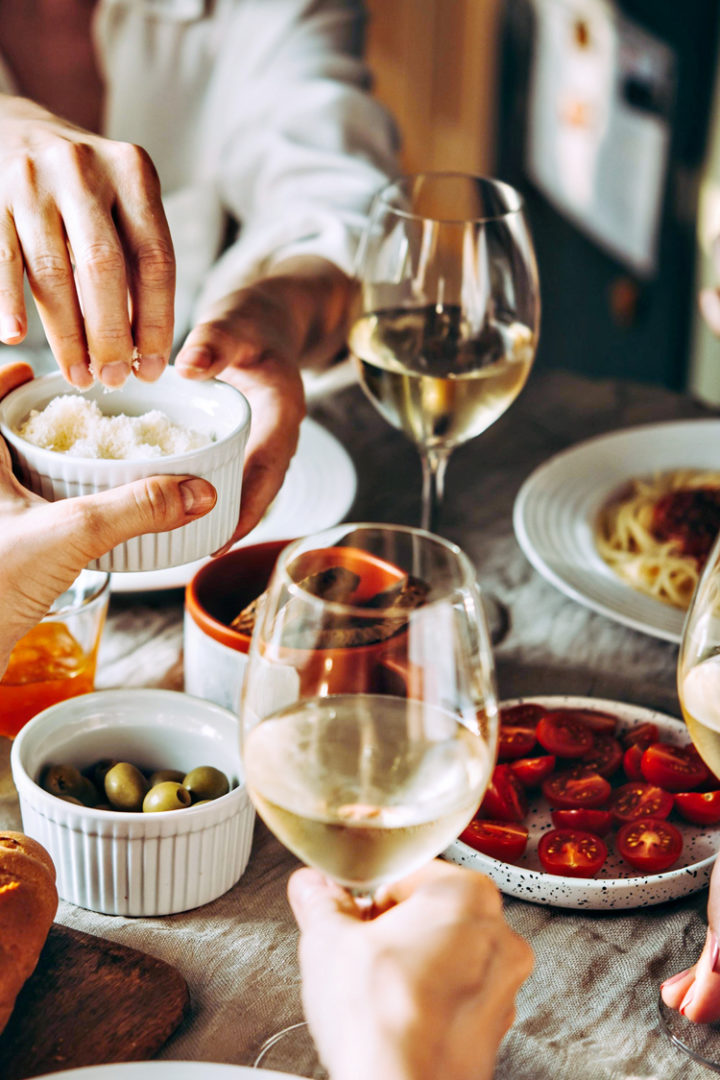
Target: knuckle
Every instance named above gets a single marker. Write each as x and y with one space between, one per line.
51 269
153 501
102 259
155 264
135 161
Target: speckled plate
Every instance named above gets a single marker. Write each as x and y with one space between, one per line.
617 885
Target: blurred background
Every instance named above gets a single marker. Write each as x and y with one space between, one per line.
606 115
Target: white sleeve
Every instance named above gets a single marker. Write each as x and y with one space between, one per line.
302 159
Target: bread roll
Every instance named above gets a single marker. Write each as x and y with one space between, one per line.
28 902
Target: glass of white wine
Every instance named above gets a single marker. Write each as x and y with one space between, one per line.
448 312
369 708
698 680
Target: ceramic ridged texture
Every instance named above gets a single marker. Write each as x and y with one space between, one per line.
211 405
557 506
618 885
137 863
118 870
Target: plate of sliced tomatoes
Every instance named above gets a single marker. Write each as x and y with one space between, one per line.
594 804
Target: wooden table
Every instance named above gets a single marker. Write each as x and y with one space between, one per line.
589 1009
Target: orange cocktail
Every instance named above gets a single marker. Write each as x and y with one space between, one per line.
56 659
46 666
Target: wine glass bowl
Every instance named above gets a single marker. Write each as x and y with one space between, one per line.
448 312
369 706
698 681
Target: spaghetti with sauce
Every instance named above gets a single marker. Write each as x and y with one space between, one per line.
657 532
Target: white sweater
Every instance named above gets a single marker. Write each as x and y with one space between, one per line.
255 112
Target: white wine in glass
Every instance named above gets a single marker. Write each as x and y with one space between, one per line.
448 312
698 680
369 709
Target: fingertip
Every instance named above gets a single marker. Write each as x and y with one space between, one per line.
12 329
195 361
198 496
150 368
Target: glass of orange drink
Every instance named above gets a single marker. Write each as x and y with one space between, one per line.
57 659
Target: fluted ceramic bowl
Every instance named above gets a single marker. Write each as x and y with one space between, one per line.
212 408
123 863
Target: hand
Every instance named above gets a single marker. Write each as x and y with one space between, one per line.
70 197
696 992
44 546
257 339
373 994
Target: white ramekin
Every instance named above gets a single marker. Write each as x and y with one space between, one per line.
213 407
123 863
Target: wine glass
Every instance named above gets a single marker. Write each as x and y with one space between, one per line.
698 680
448 317
369 709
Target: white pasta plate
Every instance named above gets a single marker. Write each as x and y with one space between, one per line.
318 491
557 506
168 1070
618 885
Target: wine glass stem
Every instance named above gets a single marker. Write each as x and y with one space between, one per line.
434 464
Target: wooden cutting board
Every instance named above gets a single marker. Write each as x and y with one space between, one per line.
88 1002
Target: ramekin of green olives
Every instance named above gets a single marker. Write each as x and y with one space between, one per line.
139 797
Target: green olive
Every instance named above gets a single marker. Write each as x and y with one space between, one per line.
63 780
206 782
161 775
125 787
167 795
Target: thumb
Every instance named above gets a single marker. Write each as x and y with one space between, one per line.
315 899
96 523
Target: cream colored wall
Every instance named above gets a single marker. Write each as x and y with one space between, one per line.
435 64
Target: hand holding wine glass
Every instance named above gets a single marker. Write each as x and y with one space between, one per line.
448 317
369 708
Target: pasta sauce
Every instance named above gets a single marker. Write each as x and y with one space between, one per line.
691 518
657 532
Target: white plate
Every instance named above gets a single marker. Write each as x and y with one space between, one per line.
167 1070
617 885
556 508
318 491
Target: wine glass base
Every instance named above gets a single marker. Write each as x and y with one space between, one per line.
701 1042
291 1050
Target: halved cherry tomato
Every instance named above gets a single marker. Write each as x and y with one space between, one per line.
700 807
526 714
591 820
605 756
674 768
567 791
561 733
649 844
505 798
601 723
638 799
631 762
571 852
532 771
504 840
515 741
643 735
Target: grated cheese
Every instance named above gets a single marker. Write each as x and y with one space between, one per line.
75 426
